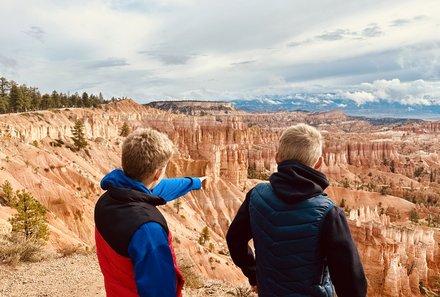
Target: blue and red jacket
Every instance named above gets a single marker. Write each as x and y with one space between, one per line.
133 242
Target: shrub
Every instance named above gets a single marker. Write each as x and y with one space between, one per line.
192 279
204 236
414 216
125 130
177 205
418 172
16 248
342 203
243 292
346 183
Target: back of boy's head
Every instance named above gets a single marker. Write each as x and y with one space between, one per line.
144 151
302 143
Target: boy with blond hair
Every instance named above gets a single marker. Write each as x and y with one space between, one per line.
133 242
303 245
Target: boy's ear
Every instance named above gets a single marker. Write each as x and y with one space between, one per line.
277 158
158 173
318 163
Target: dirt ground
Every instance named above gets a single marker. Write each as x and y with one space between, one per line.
75 276
79 276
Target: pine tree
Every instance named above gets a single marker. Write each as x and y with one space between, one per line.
17 102
125 130
4 104
79 138
35 100
5 86
204 236
30 219
85 101
8 193
414 216
177 205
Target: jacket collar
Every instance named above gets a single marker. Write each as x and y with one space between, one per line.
295 181
122 195
124 189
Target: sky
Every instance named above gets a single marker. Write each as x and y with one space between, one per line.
241 49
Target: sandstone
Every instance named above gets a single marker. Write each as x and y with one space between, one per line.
227 147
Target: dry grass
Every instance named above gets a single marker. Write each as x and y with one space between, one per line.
15 249
69 250
218 289
192 279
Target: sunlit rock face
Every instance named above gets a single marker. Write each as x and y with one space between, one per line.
396 258
234 148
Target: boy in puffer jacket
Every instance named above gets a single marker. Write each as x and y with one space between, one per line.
133 242
303 245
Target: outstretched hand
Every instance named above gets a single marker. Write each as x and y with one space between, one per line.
203 180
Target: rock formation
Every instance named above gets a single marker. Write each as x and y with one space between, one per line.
232 148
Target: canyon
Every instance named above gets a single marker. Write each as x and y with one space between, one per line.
378 174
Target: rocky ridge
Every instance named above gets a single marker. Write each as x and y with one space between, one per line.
230 148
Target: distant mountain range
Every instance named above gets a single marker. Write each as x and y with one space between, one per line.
306 102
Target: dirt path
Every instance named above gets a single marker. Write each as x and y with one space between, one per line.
74 276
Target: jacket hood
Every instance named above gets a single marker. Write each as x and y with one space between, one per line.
117 178
295 181
124 189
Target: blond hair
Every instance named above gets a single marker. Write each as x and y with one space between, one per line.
145 151
302 143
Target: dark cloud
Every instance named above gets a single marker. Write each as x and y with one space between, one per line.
404 22
7 62
372 31
334 35
400 22
365 65
243 63
110 62
36 32
420 18
293 44
168 59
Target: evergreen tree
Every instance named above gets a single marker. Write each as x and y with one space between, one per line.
30 219
26 94
35 99
79 139
414 216
177 205
16 99
46 102
85 100
56 99
4 104
125 130
74 100
5 86
204 236
8 193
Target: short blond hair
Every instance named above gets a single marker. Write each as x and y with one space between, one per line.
302 143
144 151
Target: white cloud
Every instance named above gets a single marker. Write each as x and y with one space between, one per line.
224 49
360 97
415 92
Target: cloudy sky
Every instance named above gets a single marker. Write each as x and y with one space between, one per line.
205 49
